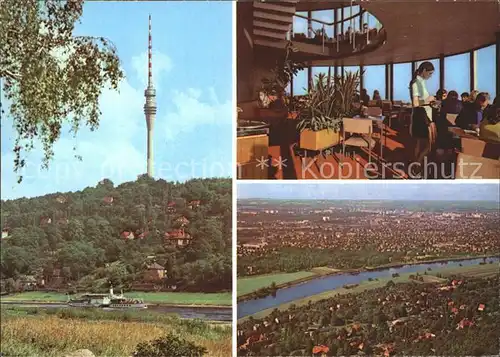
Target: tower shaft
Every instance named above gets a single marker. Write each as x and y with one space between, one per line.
150 105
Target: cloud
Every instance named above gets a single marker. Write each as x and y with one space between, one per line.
191 112
162 64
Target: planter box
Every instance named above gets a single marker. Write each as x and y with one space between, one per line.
251 150
318 140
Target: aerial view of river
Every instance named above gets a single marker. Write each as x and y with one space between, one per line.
322 284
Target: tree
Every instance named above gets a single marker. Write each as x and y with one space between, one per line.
50 76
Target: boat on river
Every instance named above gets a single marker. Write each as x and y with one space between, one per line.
110 300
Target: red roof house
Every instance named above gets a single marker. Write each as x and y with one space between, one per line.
481 307
108 199
320 349
127 235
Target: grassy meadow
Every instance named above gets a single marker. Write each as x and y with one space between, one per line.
47 333
213 299
251 284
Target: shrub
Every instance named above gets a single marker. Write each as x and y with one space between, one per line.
169 345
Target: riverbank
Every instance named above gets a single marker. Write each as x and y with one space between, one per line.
163 299
31 331
472 270
326 271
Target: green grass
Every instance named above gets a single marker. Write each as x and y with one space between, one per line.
364 285
251 284
477 271
180 298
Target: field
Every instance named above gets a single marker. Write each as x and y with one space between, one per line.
251 284
31 332
486 270
215 299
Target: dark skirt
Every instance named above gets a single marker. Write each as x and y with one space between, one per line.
420 123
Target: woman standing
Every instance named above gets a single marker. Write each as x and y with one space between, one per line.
422 127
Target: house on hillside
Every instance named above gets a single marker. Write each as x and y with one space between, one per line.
5 233
171 207
56 279
177 237
62 221
182 221
45 221
127 235
61 199
143 235
154 272
194 204
108 200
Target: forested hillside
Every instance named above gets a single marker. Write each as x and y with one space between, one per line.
107 234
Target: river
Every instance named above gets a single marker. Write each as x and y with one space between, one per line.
330 282
204 313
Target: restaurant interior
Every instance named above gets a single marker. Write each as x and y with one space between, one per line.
323 89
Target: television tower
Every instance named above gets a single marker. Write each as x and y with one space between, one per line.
150 105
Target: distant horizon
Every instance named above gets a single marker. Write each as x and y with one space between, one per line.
376 191
117 185
360 200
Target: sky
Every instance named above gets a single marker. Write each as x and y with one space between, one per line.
375 190
457 67
192 69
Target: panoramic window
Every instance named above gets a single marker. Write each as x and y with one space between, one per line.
402 77
318 70
486 71
300 83
457 73
300 24
374 79
348 12
324 16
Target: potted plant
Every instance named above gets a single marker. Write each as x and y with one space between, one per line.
328 101
272 93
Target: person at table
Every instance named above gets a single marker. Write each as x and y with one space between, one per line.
348 33
471 115
441 94
451 105
376 95
473 95
490 126
365 98
422 127
465 97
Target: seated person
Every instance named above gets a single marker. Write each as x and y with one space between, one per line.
451 105
441 94
471 115
490 126
376 95
365 98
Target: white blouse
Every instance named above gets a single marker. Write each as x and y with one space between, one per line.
419 90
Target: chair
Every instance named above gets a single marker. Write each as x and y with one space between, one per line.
360 127
373 111
372 103
474 167
451 118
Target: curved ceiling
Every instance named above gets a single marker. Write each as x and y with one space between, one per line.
425 29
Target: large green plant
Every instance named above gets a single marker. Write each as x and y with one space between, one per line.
328 101
281 75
